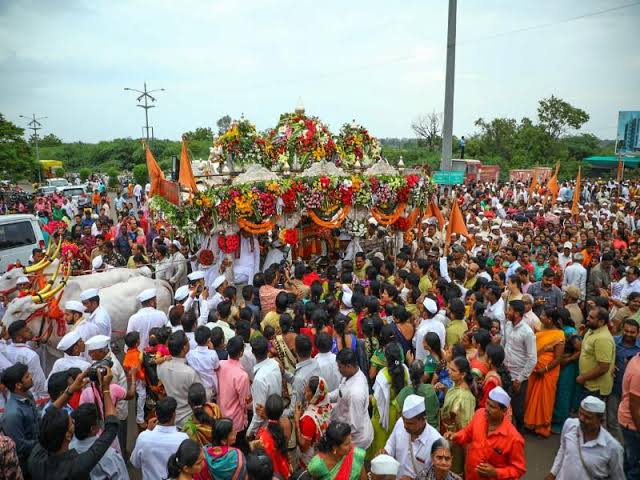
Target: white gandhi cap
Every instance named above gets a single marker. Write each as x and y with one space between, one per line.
74 306
97 342
181 293
430 305
413 406
89 294
22 280
97 262
499 395
147 294
218 281
197 275
68 341
384 465
593 404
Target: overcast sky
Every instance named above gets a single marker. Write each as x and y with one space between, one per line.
379 62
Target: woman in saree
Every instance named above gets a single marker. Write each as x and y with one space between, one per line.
479 366
337 458
541 391
425 390
497 376
567 390
389 382
459 405
221 460
285 344
199 425
378 360
311 423
441 462
403 327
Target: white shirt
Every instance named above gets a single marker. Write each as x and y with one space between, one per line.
248 360
564 260
226 329
398 447
119 377
245 267
22 353
603 455
520 354
427 325
329 370
144 320
101 318
153 449
267 380
205 361
352 407
576 274
496 312
626 288
202 308
67 362
215 300
137 190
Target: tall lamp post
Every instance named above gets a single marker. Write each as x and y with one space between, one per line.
35 125
447 127
143 102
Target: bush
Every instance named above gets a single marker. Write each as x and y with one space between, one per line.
85 173
140 174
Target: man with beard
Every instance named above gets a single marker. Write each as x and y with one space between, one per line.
587 450
597 356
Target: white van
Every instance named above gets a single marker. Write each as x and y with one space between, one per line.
19 235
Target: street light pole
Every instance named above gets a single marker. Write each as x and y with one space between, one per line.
35 125
447 127
143 102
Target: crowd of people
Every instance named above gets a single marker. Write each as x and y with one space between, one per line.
433 359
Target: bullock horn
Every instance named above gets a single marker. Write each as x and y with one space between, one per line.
50 283
40 297
46 261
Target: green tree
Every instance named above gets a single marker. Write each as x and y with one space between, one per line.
49 140
113 177
140 174
200 133
223 124
16 161
85 173
557 116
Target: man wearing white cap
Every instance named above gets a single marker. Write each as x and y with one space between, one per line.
218 285
98 265
428 309
90 299
384 467
411 439
495 449
179 276
198 295
73 316
72 346
179 297
147 317
587 450
24 286
564 257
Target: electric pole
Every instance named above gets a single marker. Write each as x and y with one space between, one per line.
35 125
143 102
447 127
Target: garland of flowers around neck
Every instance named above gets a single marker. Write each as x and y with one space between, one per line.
384 219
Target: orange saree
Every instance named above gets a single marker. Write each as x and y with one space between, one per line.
541 389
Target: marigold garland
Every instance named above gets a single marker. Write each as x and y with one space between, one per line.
385 219
256 228
337 220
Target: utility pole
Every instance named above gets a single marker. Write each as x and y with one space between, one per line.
35 125
143 102
447 127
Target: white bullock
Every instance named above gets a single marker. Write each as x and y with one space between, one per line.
119 300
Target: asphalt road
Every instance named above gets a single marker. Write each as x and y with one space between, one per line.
540 453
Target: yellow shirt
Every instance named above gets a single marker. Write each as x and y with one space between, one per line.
598 346
272 319
425 284
454 331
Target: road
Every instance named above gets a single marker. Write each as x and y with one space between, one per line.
540 453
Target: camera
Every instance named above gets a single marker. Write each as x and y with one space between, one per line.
99 368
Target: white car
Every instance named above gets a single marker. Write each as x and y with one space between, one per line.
76 193
19 235
57 182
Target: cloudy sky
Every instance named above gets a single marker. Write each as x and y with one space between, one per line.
379 62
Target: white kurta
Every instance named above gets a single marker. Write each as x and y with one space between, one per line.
144 320
245 267
398 446
22 353
352 407
67 362
101 318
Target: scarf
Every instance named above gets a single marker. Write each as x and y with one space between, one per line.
319 408
224 463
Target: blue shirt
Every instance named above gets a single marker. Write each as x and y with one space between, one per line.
20 422
623 355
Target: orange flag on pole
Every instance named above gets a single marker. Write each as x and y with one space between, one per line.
576 194
553 187
155 172
456 222
186 178
434 211
532 187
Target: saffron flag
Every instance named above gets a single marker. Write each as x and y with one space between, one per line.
456 222
155 172
186 178
553 188
434 211
576 194
532 187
